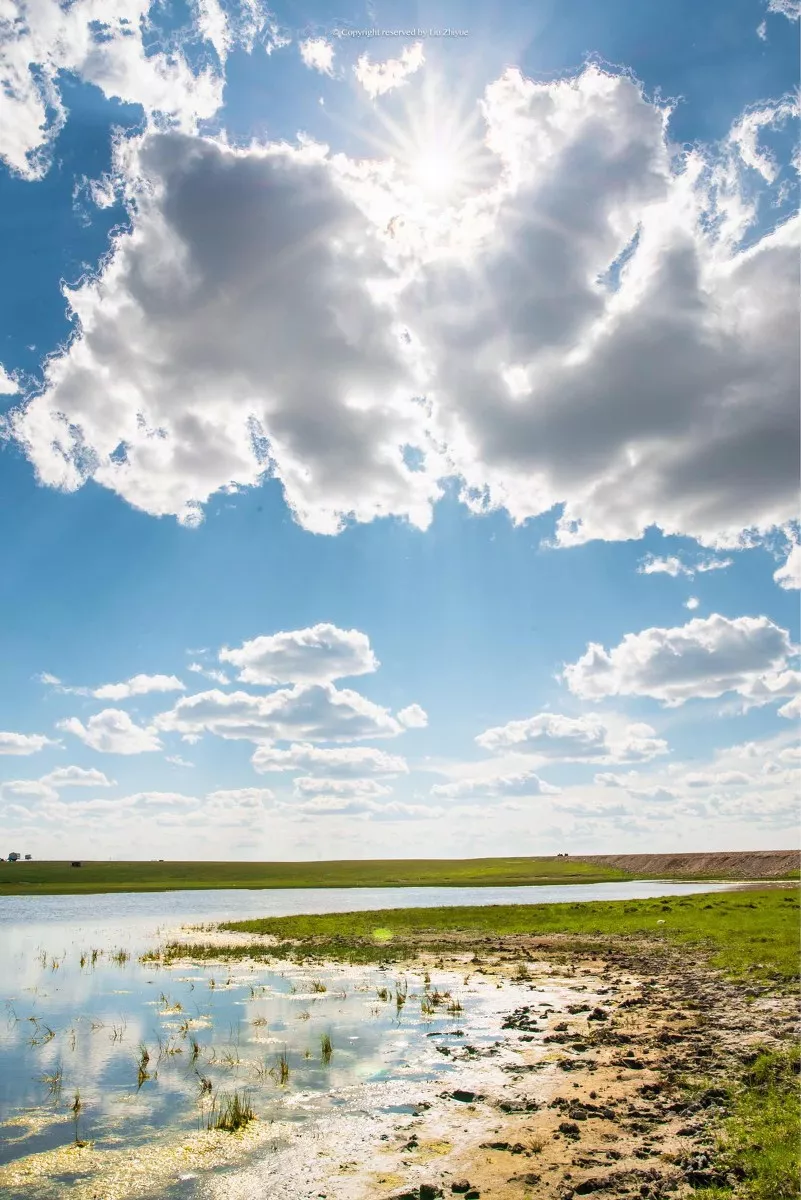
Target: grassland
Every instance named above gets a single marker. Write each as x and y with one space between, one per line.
749 935
60 878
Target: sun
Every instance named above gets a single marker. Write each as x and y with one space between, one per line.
436 171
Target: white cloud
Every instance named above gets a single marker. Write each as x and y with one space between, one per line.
112 732
788 576
209 673
319 712
8 385
23 743
308 785
378 78
692 602
333 762
663 397
318 55
673 565
177 761
661 369
361 806
704 658
792 709
27 789
138 685
658 794
273 354
413 717
745 134
787 8
251 797
76 777
317 655
107 43
524 784
590 737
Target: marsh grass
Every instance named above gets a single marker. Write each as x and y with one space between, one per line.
42 1033
748 934
759 1143
280 1072
231 1113
318 986
142 1073
326 1049
54 1083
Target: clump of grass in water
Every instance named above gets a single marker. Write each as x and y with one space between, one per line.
280 1072
326 1049
142 1072
454 1007
194 1049
383 993
232 1114
204 1083
42 1033
54 1083
259 1022
120 957
427 1007
76 1108
317 985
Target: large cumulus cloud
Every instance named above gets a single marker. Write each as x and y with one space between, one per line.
595 331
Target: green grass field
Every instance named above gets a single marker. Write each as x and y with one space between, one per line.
54 878
748 934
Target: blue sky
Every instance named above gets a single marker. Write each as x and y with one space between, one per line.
399 429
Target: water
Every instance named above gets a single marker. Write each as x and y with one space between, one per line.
220 904
75 1024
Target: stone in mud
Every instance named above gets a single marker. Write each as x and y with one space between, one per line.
598 1014
530 1178
569 1129
460 1186
463 1095
429 1191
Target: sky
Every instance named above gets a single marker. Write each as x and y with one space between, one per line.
399 434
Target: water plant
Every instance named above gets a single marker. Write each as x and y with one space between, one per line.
120 957
326 1049
454 1006
42 1033
317 985
383 993
76 1109
194 1049
280 1072
142 1072
233 1113
427 1007
54 1082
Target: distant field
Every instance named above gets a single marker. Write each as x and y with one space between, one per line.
59 878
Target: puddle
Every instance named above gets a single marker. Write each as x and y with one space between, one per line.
102 1056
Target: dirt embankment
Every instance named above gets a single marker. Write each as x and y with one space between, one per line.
736 864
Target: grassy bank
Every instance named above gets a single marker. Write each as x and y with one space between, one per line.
60 878
749 935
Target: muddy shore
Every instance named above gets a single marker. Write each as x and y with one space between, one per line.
603 1071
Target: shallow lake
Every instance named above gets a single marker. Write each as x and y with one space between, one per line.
100 1048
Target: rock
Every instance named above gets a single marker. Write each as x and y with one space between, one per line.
598 1014
569 1129
473 1194
429 1191
460 1186
593 1184
530 1178
464 1095
493 1146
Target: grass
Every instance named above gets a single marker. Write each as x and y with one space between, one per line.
759 1141
326 1049
232 1113
747 934
54 878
